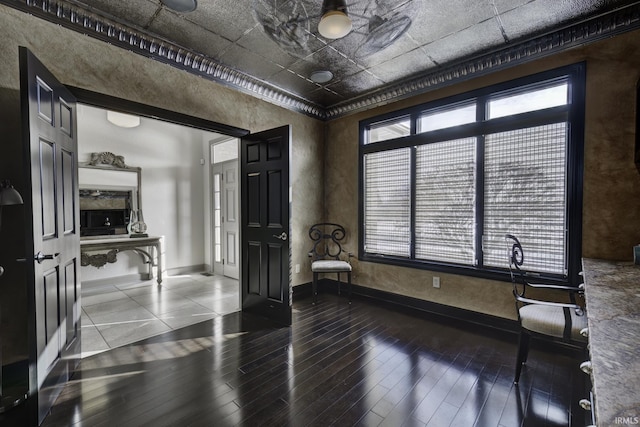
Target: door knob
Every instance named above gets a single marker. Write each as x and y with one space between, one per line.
41 257
282 236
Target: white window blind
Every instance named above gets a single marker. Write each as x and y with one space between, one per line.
387 202
525 195
445 201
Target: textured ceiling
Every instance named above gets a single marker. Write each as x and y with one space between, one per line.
396 48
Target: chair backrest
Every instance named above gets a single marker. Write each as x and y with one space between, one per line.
516 259
327 240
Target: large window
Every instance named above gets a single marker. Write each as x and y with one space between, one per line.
442 183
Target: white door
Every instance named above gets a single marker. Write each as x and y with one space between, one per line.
226 219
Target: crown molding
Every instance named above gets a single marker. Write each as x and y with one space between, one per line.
76 18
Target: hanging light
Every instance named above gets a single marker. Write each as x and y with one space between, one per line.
123 120
335 23
8 196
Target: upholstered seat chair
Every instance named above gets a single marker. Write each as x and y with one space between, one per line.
564 321
327 254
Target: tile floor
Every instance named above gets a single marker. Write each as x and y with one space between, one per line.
115 315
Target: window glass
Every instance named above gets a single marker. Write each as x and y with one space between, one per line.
448 204
389 130
439 119
533 100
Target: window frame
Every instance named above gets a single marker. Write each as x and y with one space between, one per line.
572 113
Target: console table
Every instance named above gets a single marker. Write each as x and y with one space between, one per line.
612 293
149 248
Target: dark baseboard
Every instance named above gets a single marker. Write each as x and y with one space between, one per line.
440 312
419 306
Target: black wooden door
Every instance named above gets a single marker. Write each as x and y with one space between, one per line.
265 276
53 238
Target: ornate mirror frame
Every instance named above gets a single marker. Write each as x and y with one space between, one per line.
111 163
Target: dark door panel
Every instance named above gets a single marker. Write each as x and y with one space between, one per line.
52 235
265 278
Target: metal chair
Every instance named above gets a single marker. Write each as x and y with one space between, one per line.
326 254
565 321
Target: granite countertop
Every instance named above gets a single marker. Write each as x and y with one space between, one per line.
612 292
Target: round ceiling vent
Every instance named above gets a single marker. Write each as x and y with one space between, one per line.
321 76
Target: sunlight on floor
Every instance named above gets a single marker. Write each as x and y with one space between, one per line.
116 315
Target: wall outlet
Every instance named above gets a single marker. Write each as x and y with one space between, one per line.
436 282
297 268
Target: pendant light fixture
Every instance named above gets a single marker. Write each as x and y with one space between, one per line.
335 23
123 120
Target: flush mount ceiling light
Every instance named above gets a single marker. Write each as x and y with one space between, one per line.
123 120
181 6
321 76
335 23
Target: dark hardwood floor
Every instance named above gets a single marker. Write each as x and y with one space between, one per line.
365 364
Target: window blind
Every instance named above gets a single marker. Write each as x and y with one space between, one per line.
445 201
387 202
525 195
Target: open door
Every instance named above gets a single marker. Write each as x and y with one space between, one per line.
53 238
265 275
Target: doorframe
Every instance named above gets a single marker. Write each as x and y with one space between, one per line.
108 102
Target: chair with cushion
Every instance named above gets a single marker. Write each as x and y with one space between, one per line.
327 254
563 321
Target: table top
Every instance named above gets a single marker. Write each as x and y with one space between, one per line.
612 292
125 239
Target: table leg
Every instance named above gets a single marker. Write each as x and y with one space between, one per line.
159 261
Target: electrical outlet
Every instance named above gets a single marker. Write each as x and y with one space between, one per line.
436 282
297 268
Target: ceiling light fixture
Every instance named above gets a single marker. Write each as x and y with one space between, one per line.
321 76
181 6
123 120
335 23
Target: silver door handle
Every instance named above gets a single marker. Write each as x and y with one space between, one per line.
282 236
41 257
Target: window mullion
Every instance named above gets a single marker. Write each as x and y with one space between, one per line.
412 245
413 173
479 214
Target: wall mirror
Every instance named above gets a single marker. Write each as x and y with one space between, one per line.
110 191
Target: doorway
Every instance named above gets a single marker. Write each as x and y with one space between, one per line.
119 304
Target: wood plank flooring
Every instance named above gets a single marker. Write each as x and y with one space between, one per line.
359 365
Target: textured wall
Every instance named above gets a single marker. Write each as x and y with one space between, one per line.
611 208
80 61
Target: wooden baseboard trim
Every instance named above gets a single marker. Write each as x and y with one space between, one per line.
416 305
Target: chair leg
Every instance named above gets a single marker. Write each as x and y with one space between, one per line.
314 288
339 283
523 351
349 285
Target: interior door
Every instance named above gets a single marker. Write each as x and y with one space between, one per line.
230 219
226 222
265 217
53 239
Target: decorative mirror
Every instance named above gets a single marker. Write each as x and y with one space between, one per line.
110 197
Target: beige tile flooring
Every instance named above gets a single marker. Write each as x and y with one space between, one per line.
115 315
